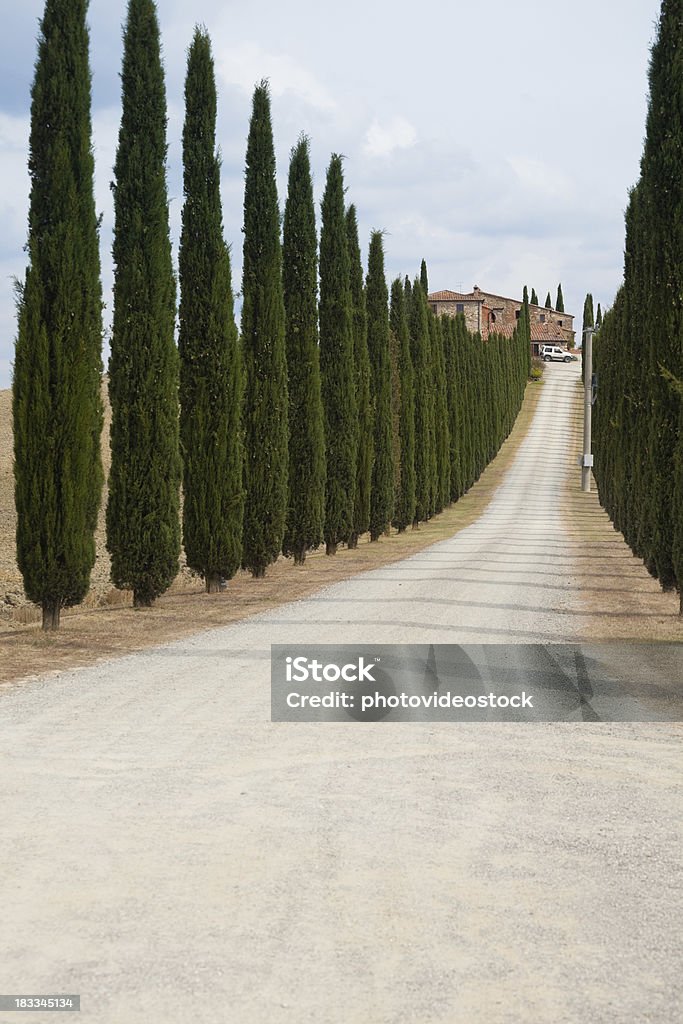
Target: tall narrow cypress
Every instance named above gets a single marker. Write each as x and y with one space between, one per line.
420 350
210 360
424 280
361 361
404 501
548 301
442 484
534 297
559 302
588 318
263 339
57 408
306 483
598 318
382 494
638 354
143 527
336 363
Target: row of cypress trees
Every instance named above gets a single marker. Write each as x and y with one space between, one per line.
323 419
638 352
559 300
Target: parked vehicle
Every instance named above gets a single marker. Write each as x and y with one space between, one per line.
554 352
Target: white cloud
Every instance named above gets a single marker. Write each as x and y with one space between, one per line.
542 177
382 139
245 66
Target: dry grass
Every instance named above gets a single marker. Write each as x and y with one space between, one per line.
92 634
622 601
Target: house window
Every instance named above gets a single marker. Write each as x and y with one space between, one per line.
542 318
460 307
517 312
560 322
435 308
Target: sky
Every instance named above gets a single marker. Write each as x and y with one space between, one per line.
497 141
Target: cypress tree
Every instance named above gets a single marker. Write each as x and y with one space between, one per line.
588 318
452 342
263 339
598 318
525 294
559 302
143 528
210 358
395 360
57 408
424 281
534 297
337 363
306 504
442 480
548 302
420 350
361 362
662 187
382 492
404 502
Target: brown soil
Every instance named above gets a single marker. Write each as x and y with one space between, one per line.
106 625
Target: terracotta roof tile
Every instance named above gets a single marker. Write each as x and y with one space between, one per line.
448 296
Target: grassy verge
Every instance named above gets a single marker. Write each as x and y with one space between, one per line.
93 634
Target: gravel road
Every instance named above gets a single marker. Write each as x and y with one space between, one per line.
173 856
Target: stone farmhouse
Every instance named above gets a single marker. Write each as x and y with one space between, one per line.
487 314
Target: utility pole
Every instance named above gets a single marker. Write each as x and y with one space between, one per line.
587 459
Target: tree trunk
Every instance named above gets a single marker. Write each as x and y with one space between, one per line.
300 556
352 542
416 524
258 572
213 583
331 548
374 536
142 601
51 616
680 604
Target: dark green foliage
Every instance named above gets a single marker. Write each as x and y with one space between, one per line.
57 408
382 492
361 363
526 294
404 498
337 368
559 302
143 528
442 481
548 301
306 505
266 429
210 357
425 452
598 318
638 354
534 297
588 317
424 280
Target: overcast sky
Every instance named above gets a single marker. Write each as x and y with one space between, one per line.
497 141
